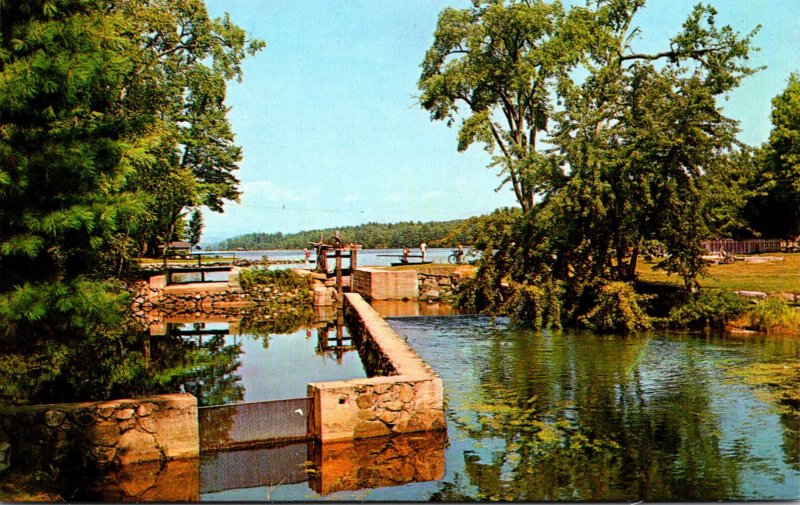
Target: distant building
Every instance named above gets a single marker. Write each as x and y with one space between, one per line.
177 248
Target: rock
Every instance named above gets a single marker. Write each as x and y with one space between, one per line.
127 424
367 415
389 417
135 446
145 409
365 401
84 418
752 294
433 294
148 424
406 393
104 455
54 418
123 414
105 434
394 406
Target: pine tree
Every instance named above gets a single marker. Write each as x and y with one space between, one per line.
65 151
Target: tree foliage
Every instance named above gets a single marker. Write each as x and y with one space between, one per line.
775 211
625 137
183 60
501 63
195 228
98 100
65 152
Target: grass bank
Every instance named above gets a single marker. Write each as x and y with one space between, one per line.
781 276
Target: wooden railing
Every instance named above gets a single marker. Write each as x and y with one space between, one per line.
754 246
171 271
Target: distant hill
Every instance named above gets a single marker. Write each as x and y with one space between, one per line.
370 236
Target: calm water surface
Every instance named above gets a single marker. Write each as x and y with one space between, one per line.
561 416
270 366
574 416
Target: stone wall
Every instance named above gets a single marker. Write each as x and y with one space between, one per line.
189 298
410 399
102 434
380 284
435 286
154 302
424 284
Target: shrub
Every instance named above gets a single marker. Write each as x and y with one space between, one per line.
537 306
773 315
708 308
284 280
616 309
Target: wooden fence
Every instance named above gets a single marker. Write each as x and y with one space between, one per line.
754 246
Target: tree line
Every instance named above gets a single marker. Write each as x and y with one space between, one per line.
370 235
609 149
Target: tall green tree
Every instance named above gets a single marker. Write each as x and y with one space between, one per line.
501 63
65 152
731 186
775 212
628 134
183 59
195 228
112 121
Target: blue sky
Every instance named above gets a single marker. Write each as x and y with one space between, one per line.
332 134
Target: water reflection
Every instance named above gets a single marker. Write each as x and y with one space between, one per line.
399 308
378 462
170 481
342 470
566 416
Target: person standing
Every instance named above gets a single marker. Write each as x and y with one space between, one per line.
459 252
424 248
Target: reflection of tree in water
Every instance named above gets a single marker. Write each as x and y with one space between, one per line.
137 365
204 368
579 420
267 320
91 368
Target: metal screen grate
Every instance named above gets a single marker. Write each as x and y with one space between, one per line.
229 426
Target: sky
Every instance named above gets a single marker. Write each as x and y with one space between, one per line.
332 133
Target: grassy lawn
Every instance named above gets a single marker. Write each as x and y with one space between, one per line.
439 268
772 276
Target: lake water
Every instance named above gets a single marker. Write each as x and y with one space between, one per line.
274 366
366 257
540 416
531 416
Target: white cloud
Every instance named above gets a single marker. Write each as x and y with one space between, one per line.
256 192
